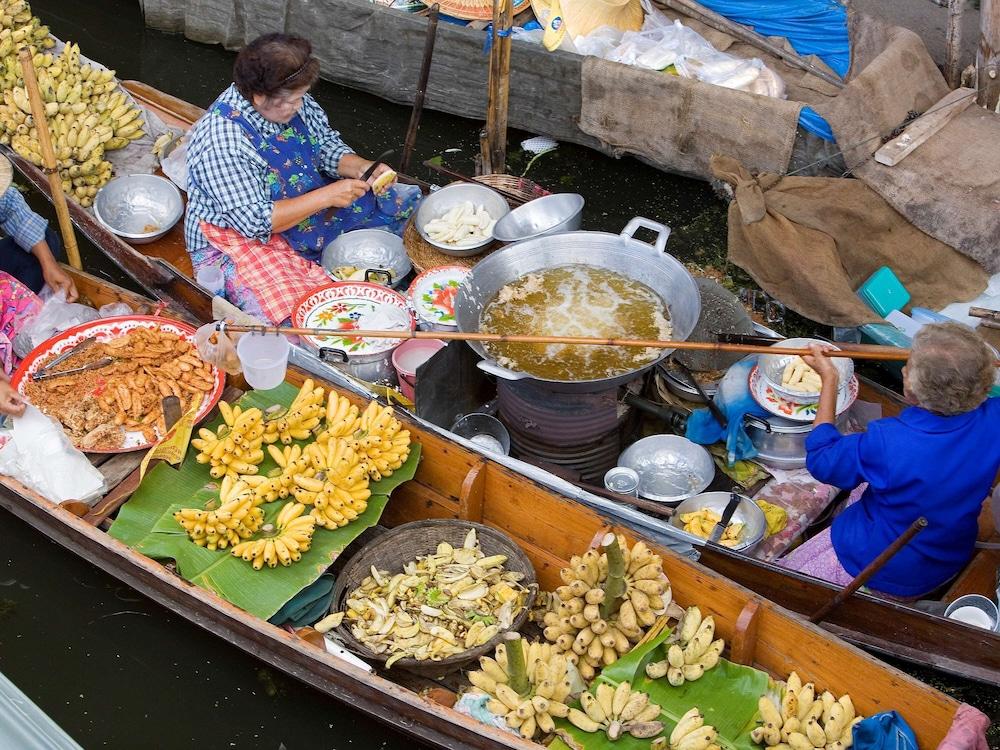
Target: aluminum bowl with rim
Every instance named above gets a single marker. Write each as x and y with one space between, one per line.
439 202
747 512
550 214
139 208
670 467
773 365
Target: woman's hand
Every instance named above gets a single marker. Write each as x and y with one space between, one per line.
343 193
822 364
59 281
11 402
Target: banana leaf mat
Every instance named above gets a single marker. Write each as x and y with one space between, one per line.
146 524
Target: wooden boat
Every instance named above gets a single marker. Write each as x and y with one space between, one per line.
163 270
452 482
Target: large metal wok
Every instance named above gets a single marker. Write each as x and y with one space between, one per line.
623 254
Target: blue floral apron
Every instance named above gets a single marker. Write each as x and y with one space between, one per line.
292 155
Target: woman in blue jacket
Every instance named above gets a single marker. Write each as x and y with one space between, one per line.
937 459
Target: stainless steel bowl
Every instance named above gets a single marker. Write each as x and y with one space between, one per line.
550 214
747 513
139 208
369 250
670 468
438 203
773 365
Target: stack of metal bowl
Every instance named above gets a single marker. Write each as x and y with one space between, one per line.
139 208
550 214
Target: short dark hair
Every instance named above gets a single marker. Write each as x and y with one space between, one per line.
275 62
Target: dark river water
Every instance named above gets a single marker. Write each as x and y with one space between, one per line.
116 670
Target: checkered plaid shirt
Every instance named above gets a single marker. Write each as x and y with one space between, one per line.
226 175
20 222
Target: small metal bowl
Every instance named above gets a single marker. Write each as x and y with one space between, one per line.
747 513
438 203
483 430
139 208
550 214
374 250
773 365
670 468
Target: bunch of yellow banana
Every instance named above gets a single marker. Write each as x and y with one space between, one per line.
693 654
341 495
529 705
616 711
805 721
300 419
691 733
597 629
278 484
343 418
381 441
293 537
236 447
235 519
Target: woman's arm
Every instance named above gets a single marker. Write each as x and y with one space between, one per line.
290 211
826 412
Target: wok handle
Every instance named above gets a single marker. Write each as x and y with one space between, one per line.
493 368
640 222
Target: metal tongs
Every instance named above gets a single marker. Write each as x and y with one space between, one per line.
95 365
46 372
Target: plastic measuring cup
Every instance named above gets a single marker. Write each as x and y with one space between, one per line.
264 358
211 279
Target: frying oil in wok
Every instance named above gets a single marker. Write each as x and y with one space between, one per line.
575 300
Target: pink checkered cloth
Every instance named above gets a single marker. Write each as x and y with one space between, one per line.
278 276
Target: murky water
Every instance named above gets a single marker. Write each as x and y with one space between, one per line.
118 671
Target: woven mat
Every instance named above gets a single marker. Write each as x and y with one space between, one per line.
424 255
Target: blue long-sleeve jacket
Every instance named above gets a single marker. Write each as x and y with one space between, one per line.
916 464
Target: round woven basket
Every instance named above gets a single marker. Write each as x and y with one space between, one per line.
405 543
423 255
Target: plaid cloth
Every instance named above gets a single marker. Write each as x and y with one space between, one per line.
19 222
278 276
228 180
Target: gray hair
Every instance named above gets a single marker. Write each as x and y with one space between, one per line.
950 370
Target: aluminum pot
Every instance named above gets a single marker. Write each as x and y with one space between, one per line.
781 443
621 253
371 368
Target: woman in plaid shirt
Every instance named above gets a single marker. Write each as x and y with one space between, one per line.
270 184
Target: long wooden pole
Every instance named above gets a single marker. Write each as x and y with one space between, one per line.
418 97
988 55
495 143
953 43
49 158
860 351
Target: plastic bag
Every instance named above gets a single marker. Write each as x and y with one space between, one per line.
174 165
114 309
218 348
56 315
41 456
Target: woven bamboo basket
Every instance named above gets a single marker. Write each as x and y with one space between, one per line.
405 543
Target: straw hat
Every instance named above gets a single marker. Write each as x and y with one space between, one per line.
476 10
6 174
580 17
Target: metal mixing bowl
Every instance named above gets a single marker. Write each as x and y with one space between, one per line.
670 468
550 214
139 208
438 203
369 249
747 513
773 365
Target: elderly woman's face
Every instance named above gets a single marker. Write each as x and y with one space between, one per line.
281 107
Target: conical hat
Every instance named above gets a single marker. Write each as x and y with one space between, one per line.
580 17
476 10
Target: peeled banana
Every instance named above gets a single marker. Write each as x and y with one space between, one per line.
693 654
805 721
616 711
235 448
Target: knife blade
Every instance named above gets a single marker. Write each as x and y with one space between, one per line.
380 160
96 365
72 351
171 410
727 516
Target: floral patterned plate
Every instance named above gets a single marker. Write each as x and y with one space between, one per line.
432 294
780 406
350 305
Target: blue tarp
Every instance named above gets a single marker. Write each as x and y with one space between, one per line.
813 27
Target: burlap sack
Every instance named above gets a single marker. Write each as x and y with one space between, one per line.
812 241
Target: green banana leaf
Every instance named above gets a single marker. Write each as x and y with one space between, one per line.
727 696
146 524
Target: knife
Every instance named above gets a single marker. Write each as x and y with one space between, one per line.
63 357
380 160
727 516
171 411
89 366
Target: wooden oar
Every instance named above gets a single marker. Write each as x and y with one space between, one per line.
859 351
49 157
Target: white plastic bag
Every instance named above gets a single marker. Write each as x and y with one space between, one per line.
114 309
218 348
40 455
174 165
56 315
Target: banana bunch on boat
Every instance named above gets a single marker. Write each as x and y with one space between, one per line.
291 536
300 419
237 518
342 494
691 733
608 600
617 711
694 653
805 721
235 448
375 434
529 685
88 115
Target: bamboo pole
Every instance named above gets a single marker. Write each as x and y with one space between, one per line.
418 98
953 43
494 146
988 55
859 351
49 158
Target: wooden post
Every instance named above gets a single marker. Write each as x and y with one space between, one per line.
988 54
494 145
49 158
953 43
418 98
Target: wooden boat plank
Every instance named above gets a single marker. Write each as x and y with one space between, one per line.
119 466
980 577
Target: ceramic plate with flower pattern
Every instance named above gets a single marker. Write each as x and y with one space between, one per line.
780 406
433 294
